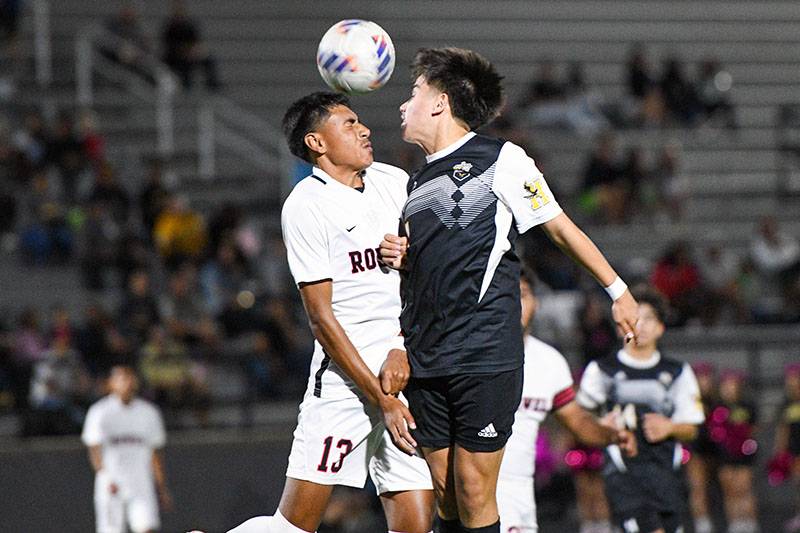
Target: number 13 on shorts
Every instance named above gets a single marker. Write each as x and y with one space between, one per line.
344 445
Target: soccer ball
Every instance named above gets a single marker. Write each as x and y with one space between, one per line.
355 56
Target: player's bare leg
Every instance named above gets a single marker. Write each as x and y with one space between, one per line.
303 503
440 463
697 473
475 475
409 511
737 489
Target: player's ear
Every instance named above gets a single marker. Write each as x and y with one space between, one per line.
315 142
440 103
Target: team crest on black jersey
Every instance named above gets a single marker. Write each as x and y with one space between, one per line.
461 171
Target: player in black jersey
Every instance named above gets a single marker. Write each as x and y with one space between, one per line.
659 400
461 313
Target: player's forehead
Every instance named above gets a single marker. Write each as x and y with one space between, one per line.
340 113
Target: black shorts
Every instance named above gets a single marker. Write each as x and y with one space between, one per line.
475 411
647 519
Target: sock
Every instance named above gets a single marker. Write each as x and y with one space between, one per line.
703 525
440 525
492 528
279 524
267 524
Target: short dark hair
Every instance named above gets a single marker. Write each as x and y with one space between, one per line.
645 294
469 80
305 115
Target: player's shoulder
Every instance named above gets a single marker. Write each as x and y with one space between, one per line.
145 405
673 366
386 171
541 351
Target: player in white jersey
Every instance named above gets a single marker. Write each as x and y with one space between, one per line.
546 387
124 435
333 222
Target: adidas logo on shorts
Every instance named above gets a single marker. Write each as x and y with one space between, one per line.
488 432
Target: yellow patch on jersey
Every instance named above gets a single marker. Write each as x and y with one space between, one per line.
537 197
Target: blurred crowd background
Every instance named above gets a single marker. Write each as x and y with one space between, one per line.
667 144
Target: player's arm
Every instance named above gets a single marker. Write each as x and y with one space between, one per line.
95 457
330 334
658 427
574 242
159 473
688 414
395 371
586 428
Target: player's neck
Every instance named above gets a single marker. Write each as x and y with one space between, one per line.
344 175
447 132
642 353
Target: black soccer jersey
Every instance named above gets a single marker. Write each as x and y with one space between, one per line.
461 311
634 387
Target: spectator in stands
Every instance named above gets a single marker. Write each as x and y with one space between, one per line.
598 332
9 20
154 196
183 51
92 141
604 193
222 277
677 277
180 232
8 208
786 461
126 43
168 372
139 310
712 93
45 237
111 194
776 255
27 349
724 299
100 244
182 311
673 187
633 177
30 145
680 95
101 343
647 107
65 152
60 391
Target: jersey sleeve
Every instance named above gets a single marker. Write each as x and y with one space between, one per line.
686 397
520 185
306 244
158 435
592 393
561 378
92 434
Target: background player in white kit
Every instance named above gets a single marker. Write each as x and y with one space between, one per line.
124 435
546 387
333 222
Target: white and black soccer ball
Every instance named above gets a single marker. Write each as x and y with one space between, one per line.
355 56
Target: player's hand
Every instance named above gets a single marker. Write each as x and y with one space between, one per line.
398 420
395 372
656 427
627 443
626 313
393 251
113 488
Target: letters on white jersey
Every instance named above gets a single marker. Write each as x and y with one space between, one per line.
332 232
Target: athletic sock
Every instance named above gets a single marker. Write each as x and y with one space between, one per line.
492 528
279 524
267 524
440 525
703 525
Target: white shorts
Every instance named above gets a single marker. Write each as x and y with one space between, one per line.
516 505
137 508
339 442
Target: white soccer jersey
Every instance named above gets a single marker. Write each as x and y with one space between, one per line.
333 231
127 436
547 385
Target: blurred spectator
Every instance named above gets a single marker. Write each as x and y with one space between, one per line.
182 311
110 193
712 93
154 196
680 96
776 255
61 324
221 278
100 244
139 311
677 277
101 343
183 51
605 193
9 20
8 208
125 42
725 301
27 349
634 175
543 88
598 332
180 232
45 237
169 374
30 145
60 391
64 150
673 186
648 104
92 141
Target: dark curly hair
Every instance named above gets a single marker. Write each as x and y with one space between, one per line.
469 80
645 294
306 115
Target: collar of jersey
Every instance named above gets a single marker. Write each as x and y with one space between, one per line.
326 178
632 362
450 149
